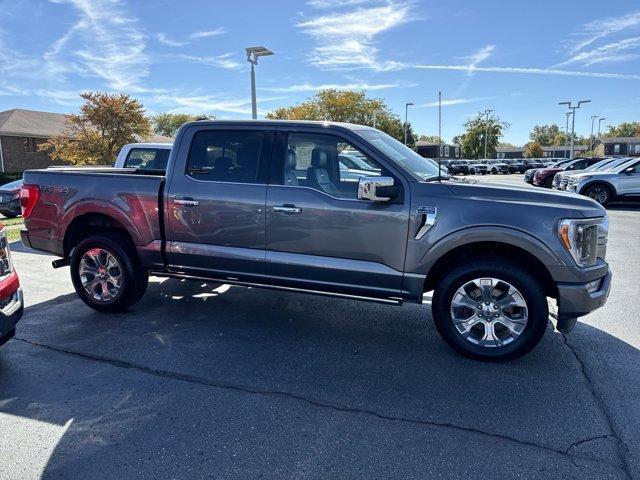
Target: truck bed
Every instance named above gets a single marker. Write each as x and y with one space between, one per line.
131 197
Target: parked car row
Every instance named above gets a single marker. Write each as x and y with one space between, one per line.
602 179
489 166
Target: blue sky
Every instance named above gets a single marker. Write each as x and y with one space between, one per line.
518 58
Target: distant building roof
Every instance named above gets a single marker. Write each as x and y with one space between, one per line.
33 123
553 148
619 140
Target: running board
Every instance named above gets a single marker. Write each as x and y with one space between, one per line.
387 301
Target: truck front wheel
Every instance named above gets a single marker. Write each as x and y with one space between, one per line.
107 274
490 310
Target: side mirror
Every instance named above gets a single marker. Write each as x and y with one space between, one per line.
629 171
370 187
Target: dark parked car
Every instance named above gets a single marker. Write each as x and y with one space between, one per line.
10 199
528 174
516 165
263 203
458 167
544 176
11 305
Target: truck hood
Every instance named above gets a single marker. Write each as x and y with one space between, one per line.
572 204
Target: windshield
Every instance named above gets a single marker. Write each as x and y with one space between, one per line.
423 168
14 184
598 165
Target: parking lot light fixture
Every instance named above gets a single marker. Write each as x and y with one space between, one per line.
486 131
566 135
593 119
406 117
600 123
252 57
573 108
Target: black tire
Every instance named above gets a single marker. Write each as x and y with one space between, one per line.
484 173
527 284
494 171
592 191
472 171
548 183
135 278
9 214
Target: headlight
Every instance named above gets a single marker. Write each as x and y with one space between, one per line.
584 239
6 264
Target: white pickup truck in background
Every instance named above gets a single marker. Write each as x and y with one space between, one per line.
147 156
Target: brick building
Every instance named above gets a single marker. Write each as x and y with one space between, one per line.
21 131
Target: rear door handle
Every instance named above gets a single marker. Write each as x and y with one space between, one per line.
287 209
186 202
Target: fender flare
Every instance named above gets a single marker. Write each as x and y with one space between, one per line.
102 208
489 233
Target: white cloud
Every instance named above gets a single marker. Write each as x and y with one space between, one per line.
451 101
622 50
222 61
166 41
307 87
335 3
480 56
207 33
163 39
176 102
346 39
604 27
534 71
105 42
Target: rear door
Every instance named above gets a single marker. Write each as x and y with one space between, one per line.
214 211
319 235
630 180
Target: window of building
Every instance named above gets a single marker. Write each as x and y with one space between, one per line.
225 156
634 149
616 148
29 145
326 163
457 152
447 151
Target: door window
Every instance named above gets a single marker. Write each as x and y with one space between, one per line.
326 163
225 156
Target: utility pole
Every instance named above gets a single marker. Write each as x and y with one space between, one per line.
406 116
599 123
252 57
439 135
573 108
566 136
486 131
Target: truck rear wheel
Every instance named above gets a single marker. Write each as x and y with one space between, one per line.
490 310
107 274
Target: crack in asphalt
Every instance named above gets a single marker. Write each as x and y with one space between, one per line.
621 448
316 403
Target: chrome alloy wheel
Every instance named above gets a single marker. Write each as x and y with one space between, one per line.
599 194
489 312
100 274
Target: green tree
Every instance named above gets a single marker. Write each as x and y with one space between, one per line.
472 140
544 134
95 135
429 138
533 150
625 129
167 124
347 106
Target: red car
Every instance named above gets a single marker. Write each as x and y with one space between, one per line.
544 176
11 304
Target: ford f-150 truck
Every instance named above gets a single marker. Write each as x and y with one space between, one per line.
267 203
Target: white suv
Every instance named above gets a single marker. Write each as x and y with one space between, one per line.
620 181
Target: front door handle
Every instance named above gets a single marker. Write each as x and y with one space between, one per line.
186 202
287 209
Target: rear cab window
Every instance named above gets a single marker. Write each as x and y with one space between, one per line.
147 158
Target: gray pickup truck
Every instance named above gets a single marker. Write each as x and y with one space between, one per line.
268 204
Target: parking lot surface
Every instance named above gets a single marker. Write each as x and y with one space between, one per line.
207 380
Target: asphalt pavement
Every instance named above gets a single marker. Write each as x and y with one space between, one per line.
203 380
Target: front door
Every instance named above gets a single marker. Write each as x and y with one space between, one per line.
630 180
319 235
216 202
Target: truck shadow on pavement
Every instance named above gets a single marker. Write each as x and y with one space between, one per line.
206 379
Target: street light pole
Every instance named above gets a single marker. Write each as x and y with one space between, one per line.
573 108
406 116
486 131
593 118
252 57
566 136
599 123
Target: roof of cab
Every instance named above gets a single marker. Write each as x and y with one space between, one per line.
287 123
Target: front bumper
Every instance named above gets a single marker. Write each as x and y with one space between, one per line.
10 313
576 300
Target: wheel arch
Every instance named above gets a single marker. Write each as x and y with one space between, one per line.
599 181
91 223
